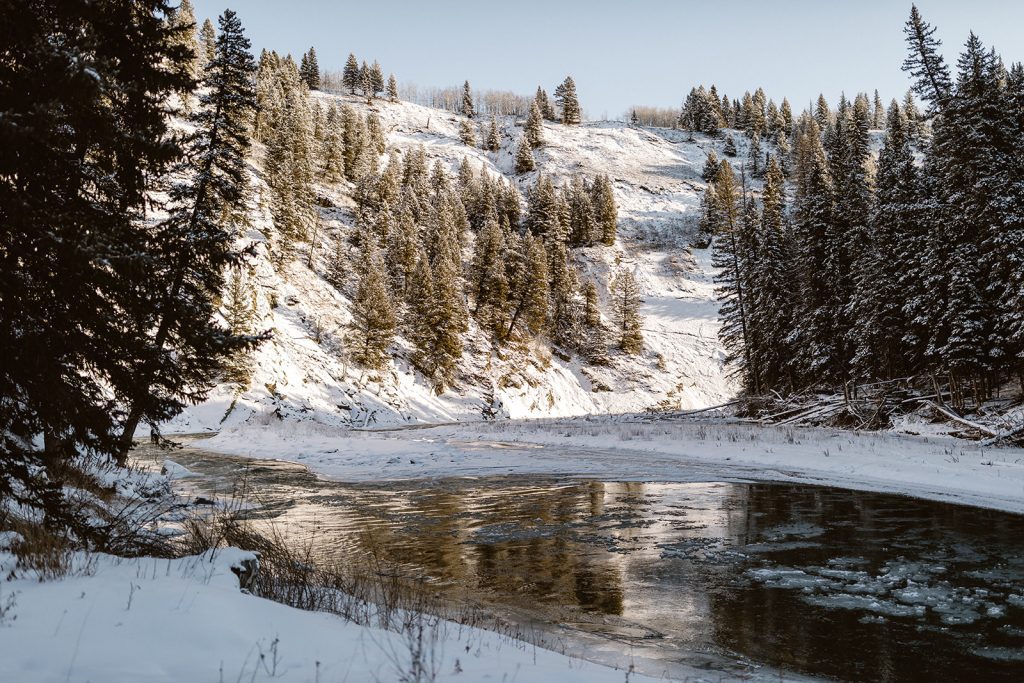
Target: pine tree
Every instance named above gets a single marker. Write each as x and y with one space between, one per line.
730 147
372 329
333 147
544 104
239 311
487 279
493 141
566 310
376 78
528 286
770 298
183 20
86 137
595 335
366 82
441 318
816 359
925 63
524 157
207 43
534 130
754 155
310 70
878 113
467 101
466 133
626 300
199 243
734 254
403 246
565 98
289 166
606 213
350 76
392 89
711 165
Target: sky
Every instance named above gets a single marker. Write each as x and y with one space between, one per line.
641 52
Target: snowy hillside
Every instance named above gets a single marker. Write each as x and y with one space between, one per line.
302 373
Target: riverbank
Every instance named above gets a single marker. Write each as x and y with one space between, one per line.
934 467
146 619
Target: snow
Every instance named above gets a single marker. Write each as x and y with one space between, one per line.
302 374
935 467
153 619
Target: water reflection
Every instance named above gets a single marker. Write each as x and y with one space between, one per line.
856 586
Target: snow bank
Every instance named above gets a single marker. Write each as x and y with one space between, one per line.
186 620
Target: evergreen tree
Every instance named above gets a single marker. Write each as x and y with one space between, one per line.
86 136
198 244
878 113
467 101
333 147
582 228
376 78
565 98
310 70
734 253
239 311
770 296
493 142
441 316
566 310
595 335
524 157
730 147
487 278
606 213
372 329
466 133
626 300
351 78
534 131
925 63
544 104
392 89
528 286
207 43
754 155
183 20
711 165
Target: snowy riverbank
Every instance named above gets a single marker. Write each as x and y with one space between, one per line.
933 467
152 619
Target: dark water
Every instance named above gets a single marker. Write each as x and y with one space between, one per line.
727 576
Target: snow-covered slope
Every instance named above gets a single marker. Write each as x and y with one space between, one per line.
303 372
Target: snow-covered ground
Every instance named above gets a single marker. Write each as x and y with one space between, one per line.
303 374
936 467
116 620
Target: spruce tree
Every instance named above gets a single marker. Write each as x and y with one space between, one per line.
711 164
534 130
487 278
626 300
199 244
524 157
350 76
606 213
239 311
392 91
528 286
565 98
207 43
544 104
730 147
493 141
734 255
376 78
925 63
86 136
372 329
310 70
467 101
595 335
466 133
183 19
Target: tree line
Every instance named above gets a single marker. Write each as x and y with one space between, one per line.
885 269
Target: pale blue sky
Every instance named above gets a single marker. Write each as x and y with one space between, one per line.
628 52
